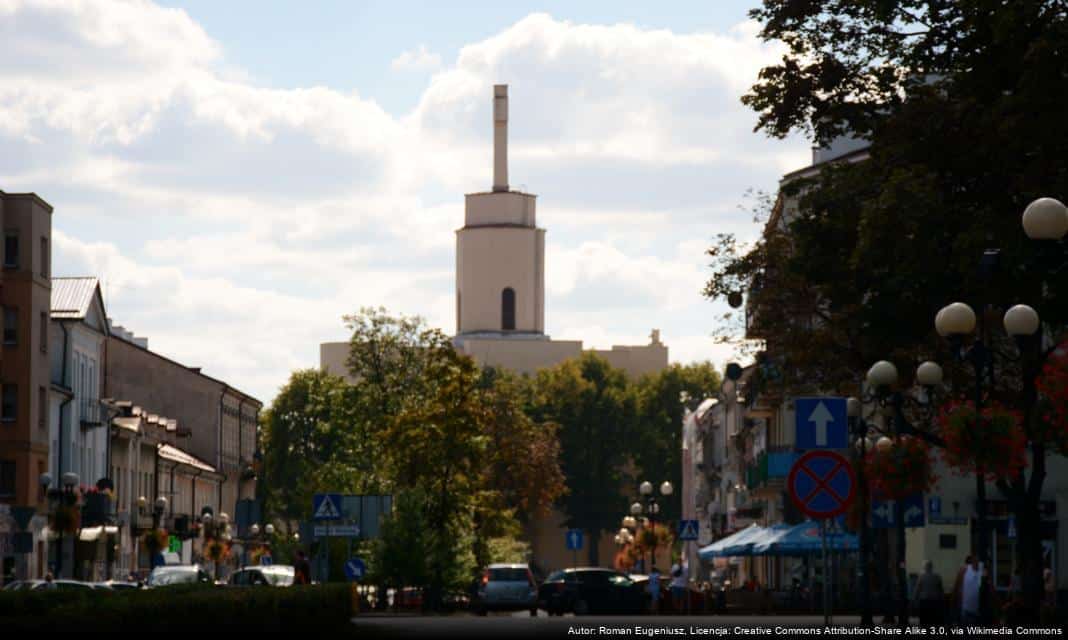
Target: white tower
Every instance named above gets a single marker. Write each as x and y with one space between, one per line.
500 252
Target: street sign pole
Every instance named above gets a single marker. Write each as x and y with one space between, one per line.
826 579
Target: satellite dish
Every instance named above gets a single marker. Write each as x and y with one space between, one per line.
734 299
734 371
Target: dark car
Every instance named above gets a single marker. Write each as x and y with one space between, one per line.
275 575
590 590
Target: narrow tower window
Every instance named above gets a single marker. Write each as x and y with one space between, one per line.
508 309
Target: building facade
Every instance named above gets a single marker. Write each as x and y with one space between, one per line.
25 290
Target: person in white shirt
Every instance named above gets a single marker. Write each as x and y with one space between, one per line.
971 587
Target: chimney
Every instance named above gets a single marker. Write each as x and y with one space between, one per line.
500 137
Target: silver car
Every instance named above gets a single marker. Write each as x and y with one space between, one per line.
506 587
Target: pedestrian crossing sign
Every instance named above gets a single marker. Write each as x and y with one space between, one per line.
326 506
688 529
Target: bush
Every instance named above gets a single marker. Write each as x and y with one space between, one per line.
315 608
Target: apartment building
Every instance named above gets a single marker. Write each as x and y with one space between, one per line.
25 291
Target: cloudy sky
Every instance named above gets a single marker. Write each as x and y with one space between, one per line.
242 174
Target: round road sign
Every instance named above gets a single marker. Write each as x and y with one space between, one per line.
821 484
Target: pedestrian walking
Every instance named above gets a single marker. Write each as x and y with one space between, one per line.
971 587
654 591
301 569
929 596
679 579
50 581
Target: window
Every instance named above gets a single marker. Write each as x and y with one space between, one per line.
9 403
508 309
44 257
11 325
11 250
7 478
42 407
44 332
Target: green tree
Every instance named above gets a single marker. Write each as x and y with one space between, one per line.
307 443
962 103
661 406
597 411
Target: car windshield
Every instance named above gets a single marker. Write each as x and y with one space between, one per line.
508 575
162 577
555 576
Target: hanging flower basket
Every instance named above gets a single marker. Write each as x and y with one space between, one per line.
903 470
995 444
217 550
1052 383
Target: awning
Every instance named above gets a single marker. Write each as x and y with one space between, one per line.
91 534
174 454
130 424
718 548
803 539
747 547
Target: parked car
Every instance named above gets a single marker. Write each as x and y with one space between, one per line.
168 575
589 590
275 575
22 585
506 587
116 585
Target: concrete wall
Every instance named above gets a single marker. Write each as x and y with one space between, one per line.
489 259
508 207
520 356
636 360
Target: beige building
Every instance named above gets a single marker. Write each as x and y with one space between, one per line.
500 309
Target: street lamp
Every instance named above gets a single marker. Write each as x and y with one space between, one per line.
59 498
157 511
652 507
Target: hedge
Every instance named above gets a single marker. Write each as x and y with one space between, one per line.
313 608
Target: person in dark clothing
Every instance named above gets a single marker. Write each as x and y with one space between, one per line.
301 569
929 596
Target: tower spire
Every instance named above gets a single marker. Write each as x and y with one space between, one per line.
500 137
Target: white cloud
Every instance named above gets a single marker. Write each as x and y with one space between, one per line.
234 224
419 59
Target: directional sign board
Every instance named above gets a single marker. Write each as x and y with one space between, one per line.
1010 532
821 423
883 516
355 569
337 531
326 506
688 529
822 484
574 539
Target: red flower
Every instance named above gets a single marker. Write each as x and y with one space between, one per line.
902 470
993 443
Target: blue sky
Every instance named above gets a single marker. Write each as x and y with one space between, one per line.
240 175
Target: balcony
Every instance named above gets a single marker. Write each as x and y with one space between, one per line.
766 477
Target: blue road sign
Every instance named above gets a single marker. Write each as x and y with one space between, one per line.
266 560
688 529
882 512
326 506
1010 533
821 484
355 569
821 423
574 539
934 506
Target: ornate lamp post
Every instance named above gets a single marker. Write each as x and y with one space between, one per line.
62 498
652 507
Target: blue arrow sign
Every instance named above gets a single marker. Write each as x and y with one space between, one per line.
573 539
821 423
934 507
326 506
1010 533
688 529
883 516
355 569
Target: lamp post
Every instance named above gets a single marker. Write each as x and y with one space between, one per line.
859 429
882 378
652 507
60 498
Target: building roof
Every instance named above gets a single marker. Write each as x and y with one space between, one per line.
72 297
174 454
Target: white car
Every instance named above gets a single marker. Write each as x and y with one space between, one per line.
506 587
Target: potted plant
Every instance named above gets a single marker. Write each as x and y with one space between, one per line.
993 443
900 469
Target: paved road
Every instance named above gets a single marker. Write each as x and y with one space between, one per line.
513 626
